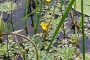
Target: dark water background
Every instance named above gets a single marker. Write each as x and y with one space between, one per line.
18 14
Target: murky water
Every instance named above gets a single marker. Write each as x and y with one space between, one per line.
18 14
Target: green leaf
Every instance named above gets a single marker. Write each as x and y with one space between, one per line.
86 6
3 49
6 6
1 25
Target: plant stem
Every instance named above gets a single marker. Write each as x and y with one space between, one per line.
22 19
32 42
11 16
26 20
83 34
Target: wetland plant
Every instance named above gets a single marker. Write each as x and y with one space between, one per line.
49 20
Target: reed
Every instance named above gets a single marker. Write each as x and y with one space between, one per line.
83 34
61 22
26 20
38 15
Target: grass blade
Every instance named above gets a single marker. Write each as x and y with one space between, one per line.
61 22
26 20
83 34
38 16
20 21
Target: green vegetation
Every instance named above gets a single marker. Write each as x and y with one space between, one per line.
86 6
57 30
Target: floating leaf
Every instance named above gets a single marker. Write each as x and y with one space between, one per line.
6 6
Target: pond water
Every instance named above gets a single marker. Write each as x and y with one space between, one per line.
18 14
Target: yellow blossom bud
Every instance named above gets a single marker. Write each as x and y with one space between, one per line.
48 1
44 26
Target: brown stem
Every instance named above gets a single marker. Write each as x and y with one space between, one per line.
72 16
34 45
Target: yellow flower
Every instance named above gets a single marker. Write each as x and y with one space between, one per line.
48 1
45 26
